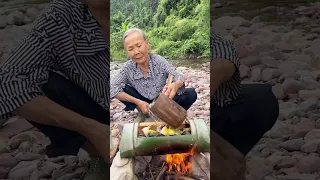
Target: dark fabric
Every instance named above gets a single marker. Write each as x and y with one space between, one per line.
185 100
73 97
246 119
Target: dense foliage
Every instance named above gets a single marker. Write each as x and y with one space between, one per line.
175 29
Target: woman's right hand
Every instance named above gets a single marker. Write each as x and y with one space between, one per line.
143 107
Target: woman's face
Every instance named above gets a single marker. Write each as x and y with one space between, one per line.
137 48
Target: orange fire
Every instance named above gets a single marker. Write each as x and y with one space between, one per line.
180 162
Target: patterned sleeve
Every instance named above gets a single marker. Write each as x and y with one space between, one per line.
224 49
27 66
118 83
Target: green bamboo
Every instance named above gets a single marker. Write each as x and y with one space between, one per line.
131 145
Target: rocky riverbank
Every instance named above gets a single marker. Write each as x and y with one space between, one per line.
285 55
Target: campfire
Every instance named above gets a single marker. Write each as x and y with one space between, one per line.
180 162
174 152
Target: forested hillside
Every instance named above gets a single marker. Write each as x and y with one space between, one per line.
175 28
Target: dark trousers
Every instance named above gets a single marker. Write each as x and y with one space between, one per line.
246 119
185 100
73 97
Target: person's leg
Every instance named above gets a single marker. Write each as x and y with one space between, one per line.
187 98
245 120
134 93
73 97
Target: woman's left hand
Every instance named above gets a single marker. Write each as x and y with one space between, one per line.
170 90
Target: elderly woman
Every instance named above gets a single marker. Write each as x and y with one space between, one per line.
71 38
143 77
240 113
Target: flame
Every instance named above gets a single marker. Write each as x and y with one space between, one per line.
180 162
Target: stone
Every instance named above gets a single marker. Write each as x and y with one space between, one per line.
292 145
15 18
7 161
141 163
73 175
311 146
255 20
27 156
289 113
23 169
250 61
268 74
318 124
4 148
255 74
313 134
297 176
285 75
257 167
306 94
309 104
286 162
122 168
4 172
300 57
277 54
274 159
228 22
269 60
244 71
216 5
310 83
60 172
3 22
303 127
315 75
278 91
71 159
308 164
30 136
284 47
292 86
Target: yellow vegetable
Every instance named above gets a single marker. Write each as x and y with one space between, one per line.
169 132
149 132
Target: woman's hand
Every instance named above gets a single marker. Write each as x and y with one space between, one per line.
170 90
143 107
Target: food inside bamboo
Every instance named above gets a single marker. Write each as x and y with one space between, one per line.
155 129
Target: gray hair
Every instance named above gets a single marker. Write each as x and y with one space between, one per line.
133 30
